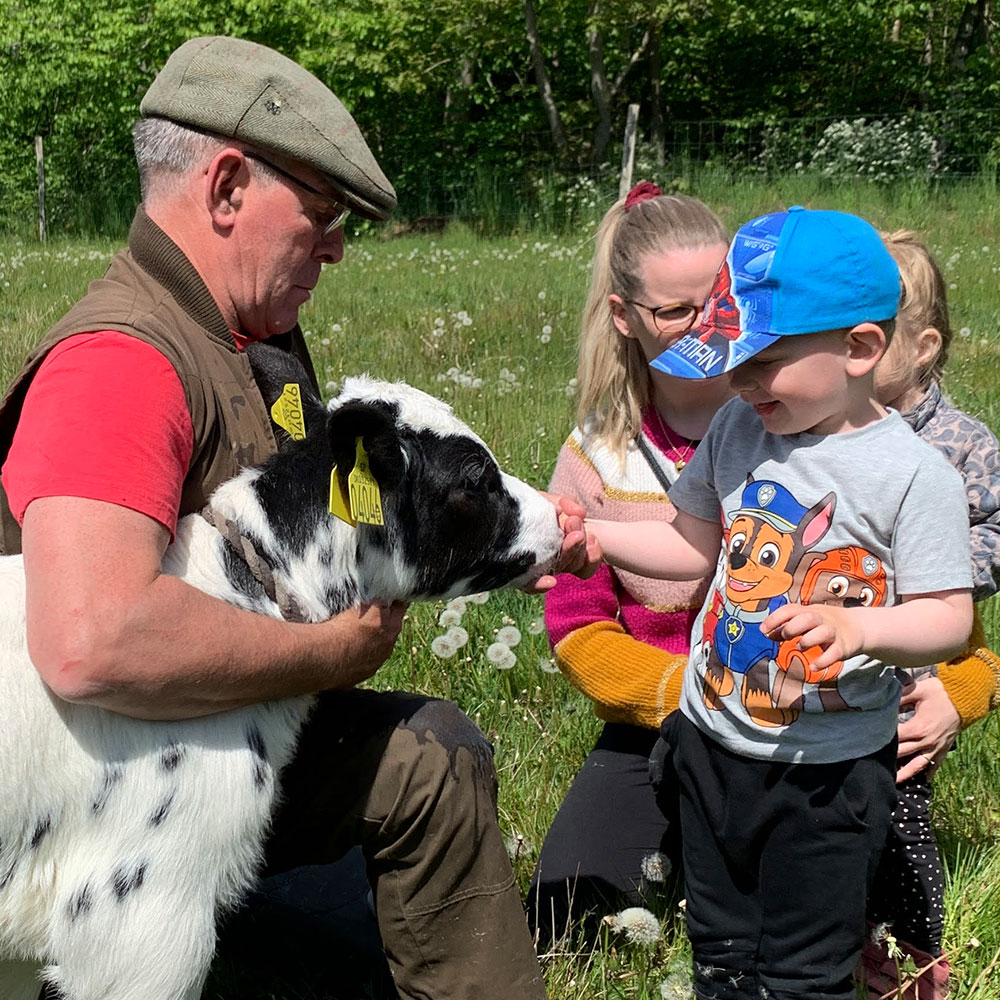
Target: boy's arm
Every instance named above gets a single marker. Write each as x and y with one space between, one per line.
685 549
924 628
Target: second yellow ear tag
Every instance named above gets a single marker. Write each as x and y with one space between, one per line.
287 411
340 504
366 500
362 501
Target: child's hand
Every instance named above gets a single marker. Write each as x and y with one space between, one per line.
835 630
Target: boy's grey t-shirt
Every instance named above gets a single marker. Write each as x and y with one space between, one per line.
852 518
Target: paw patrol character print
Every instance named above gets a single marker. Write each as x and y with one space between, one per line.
849 578
767 537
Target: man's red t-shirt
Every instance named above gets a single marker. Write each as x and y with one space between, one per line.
104 418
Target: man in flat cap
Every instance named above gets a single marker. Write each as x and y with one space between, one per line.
138 403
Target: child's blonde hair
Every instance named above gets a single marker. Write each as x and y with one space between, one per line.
613 374
924 299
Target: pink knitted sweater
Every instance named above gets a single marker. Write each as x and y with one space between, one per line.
621 639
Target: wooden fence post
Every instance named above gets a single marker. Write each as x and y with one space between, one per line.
628 150
40 164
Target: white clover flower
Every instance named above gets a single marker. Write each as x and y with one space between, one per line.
481 598
637 924
655 867
501 656
458 636
450 616
537 627
509 635
443 647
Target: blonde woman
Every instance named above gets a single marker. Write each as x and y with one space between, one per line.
623 639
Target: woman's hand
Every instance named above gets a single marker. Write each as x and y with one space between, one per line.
930 732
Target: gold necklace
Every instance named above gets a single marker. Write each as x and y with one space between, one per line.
681 455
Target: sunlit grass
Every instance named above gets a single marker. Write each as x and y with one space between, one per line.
490 325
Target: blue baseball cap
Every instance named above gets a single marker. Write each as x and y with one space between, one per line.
788 273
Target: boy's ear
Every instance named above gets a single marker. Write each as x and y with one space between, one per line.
866 343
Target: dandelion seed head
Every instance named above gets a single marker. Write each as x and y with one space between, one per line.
443 647
509 635
450 616
537 627
637 924
655 867
501 656
458 636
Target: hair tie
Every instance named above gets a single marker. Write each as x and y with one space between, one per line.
643 191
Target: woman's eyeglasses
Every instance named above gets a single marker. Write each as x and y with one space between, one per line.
673 318
336 213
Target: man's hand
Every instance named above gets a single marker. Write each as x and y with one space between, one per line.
836 631
580 553
361 640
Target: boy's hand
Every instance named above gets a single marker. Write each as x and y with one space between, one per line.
836 631
580 553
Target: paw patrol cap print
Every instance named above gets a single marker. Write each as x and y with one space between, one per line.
249 92
788 273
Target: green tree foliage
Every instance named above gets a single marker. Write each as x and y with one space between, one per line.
442 89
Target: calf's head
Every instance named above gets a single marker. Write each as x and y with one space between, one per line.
453 521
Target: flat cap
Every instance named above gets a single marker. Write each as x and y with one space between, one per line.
245 91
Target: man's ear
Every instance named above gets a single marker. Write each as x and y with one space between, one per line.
375 424
866 343
226 179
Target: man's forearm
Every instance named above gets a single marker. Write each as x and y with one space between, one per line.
179 653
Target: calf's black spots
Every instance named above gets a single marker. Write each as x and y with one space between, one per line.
126 879
41 831
171 756
160 813
255 741
81 902
111 777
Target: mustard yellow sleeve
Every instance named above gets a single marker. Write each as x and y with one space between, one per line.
972 680
628 680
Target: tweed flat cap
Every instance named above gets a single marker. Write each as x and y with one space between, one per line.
246 91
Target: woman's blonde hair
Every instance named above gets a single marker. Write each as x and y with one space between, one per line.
924 299
612 372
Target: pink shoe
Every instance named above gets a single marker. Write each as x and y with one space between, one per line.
885 980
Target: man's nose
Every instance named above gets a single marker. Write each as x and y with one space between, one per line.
330 249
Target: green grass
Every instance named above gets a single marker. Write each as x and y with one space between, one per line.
419 308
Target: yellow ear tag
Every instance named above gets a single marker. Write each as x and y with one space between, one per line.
340 505
287 411
366 500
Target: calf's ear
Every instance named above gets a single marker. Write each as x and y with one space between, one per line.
375 424
273 370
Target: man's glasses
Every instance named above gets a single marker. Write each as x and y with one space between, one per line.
335 214
674 318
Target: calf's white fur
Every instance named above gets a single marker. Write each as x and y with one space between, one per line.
121 839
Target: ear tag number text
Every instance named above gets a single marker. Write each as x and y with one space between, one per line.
287 412
362 500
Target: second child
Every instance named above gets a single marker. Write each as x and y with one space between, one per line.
839 547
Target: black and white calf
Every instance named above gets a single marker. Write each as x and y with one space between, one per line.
121 839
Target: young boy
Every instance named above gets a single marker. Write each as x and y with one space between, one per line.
844 553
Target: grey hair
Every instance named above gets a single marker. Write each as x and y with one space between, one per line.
167 151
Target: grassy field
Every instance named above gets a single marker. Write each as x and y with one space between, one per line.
491 327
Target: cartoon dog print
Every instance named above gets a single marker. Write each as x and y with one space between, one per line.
850 577
767 538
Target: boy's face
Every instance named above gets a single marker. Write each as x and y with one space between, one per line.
799 383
